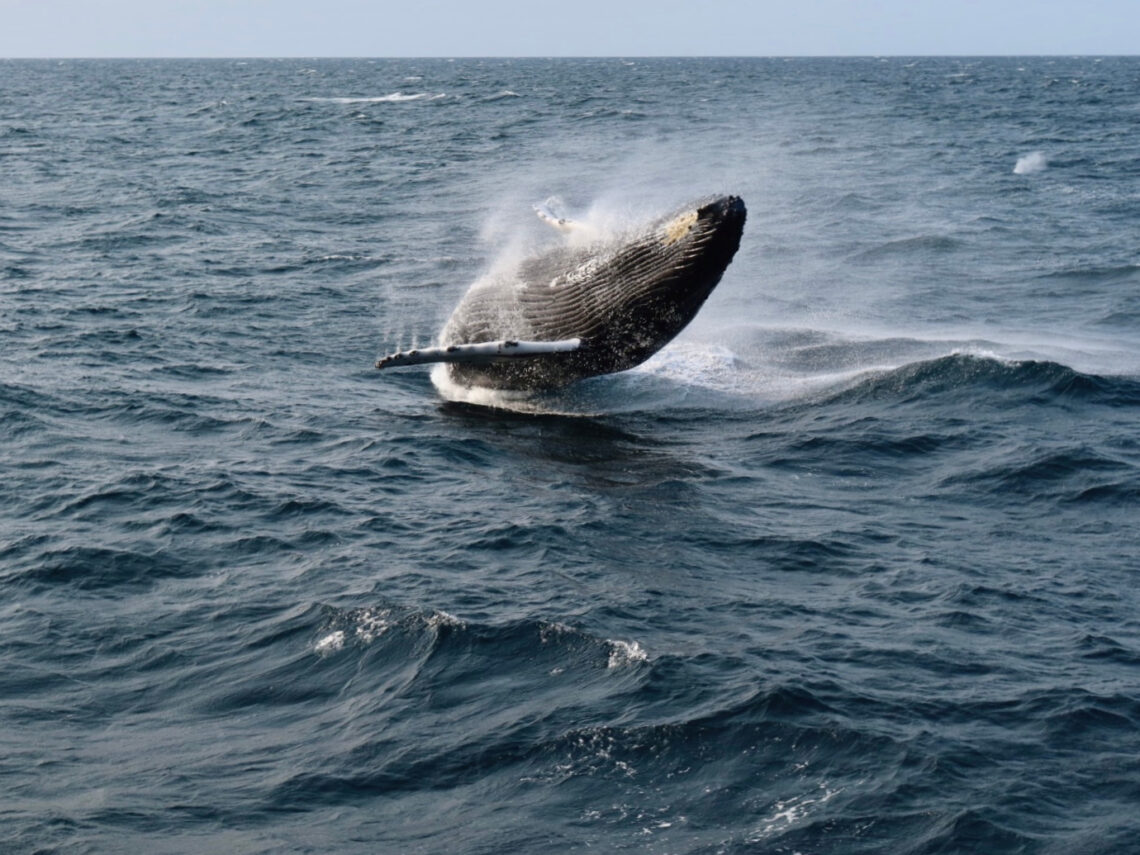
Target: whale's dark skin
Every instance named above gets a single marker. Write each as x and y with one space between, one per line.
622 299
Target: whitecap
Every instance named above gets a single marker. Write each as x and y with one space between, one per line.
550 631
372 623
440 618
625 653
1035 161
331 643
790 812
379 99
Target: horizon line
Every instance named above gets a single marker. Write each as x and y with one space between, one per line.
594 56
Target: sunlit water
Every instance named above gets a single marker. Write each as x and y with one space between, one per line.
849 567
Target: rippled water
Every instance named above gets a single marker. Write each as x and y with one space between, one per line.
849 567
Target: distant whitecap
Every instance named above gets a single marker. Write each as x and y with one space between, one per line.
1035 161
379 99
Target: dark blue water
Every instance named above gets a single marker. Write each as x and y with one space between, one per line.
852 566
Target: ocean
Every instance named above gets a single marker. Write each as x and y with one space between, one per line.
851 566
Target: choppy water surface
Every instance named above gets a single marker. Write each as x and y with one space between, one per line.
849 567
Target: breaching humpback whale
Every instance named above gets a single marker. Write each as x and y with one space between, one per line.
579 311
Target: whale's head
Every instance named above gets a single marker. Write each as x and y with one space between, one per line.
655 281
699 241
623 297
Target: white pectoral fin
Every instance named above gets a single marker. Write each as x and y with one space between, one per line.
483 353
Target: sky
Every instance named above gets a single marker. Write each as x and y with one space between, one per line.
453 28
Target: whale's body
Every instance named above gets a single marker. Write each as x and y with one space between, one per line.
579 311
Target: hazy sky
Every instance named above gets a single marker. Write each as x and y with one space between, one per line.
72 28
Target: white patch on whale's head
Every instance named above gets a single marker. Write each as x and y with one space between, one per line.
679 227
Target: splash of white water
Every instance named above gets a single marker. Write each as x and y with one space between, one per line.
1035 161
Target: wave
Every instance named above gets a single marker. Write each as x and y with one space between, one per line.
921 245
1046 473
990 429
378 99
94 568
542 711
1097 275
962 375
438 633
